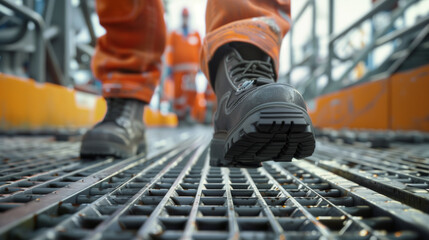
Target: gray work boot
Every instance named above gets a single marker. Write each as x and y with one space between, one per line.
120 134
257 119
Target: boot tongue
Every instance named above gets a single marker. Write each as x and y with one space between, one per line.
250 52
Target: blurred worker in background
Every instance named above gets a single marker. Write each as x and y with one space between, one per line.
256 120
183 53
204 106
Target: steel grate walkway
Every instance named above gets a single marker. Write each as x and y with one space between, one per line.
342 192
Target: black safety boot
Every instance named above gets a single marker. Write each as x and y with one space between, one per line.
121 134
256 119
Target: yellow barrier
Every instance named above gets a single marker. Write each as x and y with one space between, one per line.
28 105
399 102
154 118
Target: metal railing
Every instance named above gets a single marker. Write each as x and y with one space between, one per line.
319 68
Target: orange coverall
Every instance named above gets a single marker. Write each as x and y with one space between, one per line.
204 106
128 57
183 54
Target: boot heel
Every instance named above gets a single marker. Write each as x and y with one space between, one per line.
217 153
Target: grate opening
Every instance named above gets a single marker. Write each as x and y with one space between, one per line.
254 224
178 210
360 210
141 210
213 211
214 186
292 224
212 224
245 201
335 223
189 192
212 180
269 193
283 211
213 200
156 192
69 208
247 211
240 186
76 234
379 223
183 200
150 200
91 222
162 186
131 222
276 201
173 223
242 193
213 192
187 186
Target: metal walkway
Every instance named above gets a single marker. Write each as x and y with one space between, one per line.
342 192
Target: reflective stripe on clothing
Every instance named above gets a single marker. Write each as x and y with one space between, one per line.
185 67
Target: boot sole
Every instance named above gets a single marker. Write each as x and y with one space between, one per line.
94 149
275 131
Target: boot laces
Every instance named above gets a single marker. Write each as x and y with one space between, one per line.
254 71
117 108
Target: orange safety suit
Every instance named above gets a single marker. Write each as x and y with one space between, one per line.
204 106
128 57
183 53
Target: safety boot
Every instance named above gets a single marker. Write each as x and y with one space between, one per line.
257 119
120 134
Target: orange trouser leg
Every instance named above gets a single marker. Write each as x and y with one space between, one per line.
180 103
262 23
128 57
184 92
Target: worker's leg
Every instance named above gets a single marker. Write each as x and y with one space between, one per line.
185 93
179 105
127 61
256 119
128 57
258 22
190 89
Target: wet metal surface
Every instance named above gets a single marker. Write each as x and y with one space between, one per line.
47 192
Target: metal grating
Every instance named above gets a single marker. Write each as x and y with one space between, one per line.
402 172
173 193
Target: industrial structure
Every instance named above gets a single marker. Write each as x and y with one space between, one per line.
367 179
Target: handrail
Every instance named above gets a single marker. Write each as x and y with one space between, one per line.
307 4
364 53
377 8
291 55
301 12
86 16
380 38
399 33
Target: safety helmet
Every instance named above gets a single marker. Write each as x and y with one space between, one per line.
185 12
